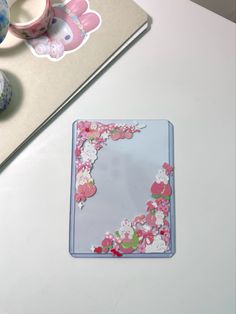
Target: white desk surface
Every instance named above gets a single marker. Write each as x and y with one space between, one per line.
182 70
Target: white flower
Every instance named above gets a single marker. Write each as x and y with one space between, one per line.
88 152
157 246
93 126
126 230
154 204
147 228
162 176
105 135
81 205
141 126
160 216
83 177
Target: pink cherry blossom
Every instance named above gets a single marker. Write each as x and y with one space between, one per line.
77 151
115 136
164 209
166 238
128 135
83 125
157 188
167 168
166 223
107 242
148 237
141 248
139 219
151 219
161 189
84 191
150 206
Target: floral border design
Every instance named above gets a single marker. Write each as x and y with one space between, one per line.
146 233
91 137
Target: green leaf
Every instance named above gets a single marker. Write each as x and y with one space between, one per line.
166 197
160 196
126 245
117 233
135 241
153 212
156 195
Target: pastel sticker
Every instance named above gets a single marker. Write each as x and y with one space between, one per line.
70 29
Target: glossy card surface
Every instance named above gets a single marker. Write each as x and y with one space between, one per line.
122 189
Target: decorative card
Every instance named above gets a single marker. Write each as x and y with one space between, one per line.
122 189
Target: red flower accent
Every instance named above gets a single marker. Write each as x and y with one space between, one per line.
84 125
167 190
139 233
161 189
157 188
167 168
84 191
106 242
164 230
116 253
98 250
150 205
77 151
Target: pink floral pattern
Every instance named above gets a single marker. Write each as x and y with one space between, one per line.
37 27
145 233
91 137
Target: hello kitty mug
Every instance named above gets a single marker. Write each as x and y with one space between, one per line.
26 30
